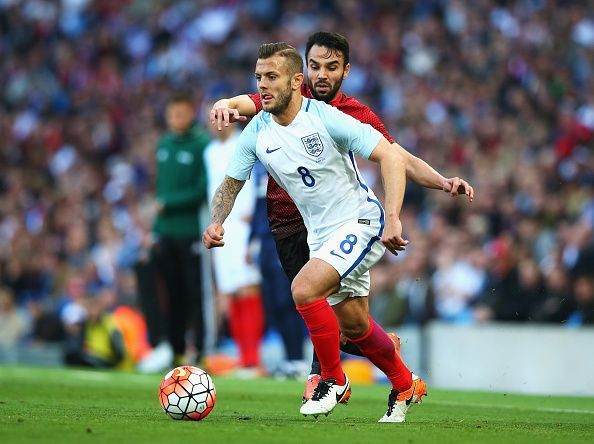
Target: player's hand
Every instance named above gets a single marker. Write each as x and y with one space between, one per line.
222 115
456 186
213 236
392 237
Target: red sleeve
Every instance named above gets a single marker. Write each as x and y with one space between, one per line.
364 114
257 101
376 122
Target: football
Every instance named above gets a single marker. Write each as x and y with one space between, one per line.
188 393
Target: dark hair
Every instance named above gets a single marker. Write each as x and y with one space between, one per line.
330 40
282 49
181 96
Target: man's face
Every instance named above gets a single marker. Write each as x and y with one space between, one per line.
274 84
179 116
325 72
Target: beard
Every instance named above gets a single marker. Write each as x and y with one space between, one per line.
328 95
283 99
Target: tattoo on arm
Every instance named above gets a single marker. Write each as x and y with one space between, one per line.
224 198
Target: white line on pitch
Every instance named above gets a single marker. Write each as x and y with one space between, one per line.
511 407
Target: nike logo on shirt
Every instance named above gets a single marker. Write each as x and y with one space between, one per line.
269 150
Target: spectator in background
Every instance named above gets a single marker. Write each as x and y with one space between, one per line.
457 281
500 91
557 304
47 325
13 326
95 340
237 281
414 285
71 307
181 194
531 290
583 301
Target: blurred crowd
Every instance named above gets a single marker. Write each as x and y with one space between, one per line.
498 92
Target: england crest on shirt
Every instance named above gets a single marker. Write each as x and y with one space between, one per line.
313 144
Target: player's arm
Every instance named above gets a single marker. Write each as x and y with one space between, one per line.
234 109
221 206
393 172
425 175
417 169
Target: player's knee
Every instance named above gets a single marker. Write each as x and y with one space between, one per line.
300 293
303 292
354 328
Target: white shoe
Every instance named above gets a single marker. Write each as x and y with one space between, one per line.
158 360
399 403
326 396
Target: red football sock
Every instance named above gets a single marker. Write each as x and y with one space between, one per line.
323 330
252 315
236 327
379 349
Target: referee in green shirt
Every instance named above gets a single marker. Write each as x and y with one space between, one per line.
181 193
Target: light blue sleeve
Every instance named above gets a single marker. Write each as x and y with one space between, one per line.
348 133
244 157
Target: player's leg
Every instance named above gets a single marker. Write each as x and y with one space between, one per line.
356 324
280 306
293 252
310 288
240 281
352 250
147 281
171 269
248 317
281 311
191 265
346 345
378 347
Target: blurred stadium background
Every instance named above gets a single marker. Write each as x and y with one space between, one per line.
494 295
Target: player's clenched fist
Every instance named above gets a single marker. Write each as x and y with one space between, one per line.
213 236
392 236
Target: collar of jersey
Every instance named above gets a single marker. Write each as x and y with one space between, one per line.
302 109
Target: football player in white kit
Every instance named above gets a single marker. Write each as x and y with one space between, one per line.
232 271
237 281
308 147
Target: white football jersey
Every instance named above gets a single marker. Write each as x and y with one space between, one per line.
312 158
217 156
231 269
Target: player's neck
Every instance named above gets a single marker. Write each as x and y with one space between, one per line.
286 117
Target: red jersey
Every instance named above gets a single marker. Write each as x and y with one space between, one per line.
283 216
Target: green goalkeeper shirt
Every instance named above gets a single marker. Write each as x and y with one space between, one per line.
181 182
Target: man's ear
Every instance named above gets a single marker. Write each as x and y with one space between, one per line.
297 81
347 69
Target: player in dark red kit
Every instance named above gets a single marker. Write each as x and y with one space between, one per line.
327 57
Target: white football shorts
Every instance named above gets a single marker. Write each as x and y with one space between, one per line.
352 250
231 269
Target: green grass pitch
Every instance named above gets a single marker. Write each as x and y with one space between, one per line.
39 405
